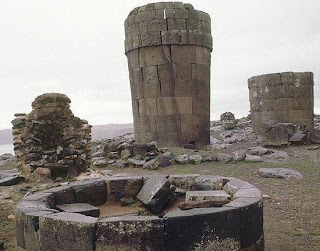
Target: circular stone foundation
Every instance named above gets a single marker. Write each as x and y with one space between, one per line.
61 218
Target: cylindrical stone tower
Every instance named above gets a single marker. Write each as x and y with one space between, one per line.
281 98
168 46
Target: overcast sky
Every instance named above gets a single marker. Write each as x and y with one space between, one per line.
76 48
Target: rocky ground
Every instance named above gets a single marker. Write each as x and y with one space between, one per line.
291 205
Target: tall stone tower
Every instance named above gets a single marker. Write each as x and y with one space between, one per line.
168 46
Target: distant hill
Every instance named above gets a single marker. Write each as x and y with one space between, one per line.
98 132
110 130
5 137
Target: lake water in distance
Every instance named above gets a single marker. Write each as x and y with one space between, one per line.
6 149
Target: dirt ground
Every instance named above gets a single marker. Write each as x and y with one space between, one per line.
291 212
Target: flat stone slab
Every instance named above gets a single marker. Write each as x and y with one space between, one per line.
80 208
187 205
155 194
11 181
299 138
217 195
279 173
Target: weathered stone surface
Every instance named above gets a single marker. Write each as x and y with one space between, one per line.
224 157
218 195
258 150
235 184
62 194
280 173
253 158
247 193
209 182
184 181
299 138
90 191
251 213
220 224
126 153
42 197
195 159
67 231
165 159
120 187
80 208
31 229
182 159
145 233
187 205
239 155
155 194
6 159
314 135
11 181
136 162
99 161
151 164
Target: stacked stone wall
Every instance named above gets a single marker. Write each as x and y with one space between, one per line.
168 46
50 141
281 98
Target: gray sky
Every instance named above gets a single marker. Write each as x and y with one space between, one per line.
76 47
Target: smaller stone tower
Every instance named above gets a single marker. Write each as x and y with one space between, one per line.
281 98
50 141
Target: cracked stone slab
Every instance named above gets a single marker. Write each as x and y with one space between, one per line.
217 195
279 173
80 208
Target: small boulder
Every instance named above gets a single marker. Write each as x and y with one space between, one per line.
151 164
136 162
195 159
122 163
182 159
113 155
258 150
299 138
224 157
239 155
155 194
253 158
126 153
165 159
99 161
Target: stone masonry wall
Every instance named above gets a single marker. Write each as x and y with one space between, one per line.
281 98
50 141
168 46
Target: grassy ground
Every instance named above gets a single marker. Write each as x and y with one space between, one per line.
291 214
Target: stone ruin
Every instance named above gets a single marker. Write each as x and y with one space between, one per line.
228 120
50 142
281 105
176 213
168 46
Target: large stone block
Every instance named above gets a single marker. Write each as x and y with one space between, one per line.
31 229
174 105
151 84
186 230
120 187
166 77
130 233
153 55
62 194
90 191
67 232
185 54
148 107
80 208
251 218
155 194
